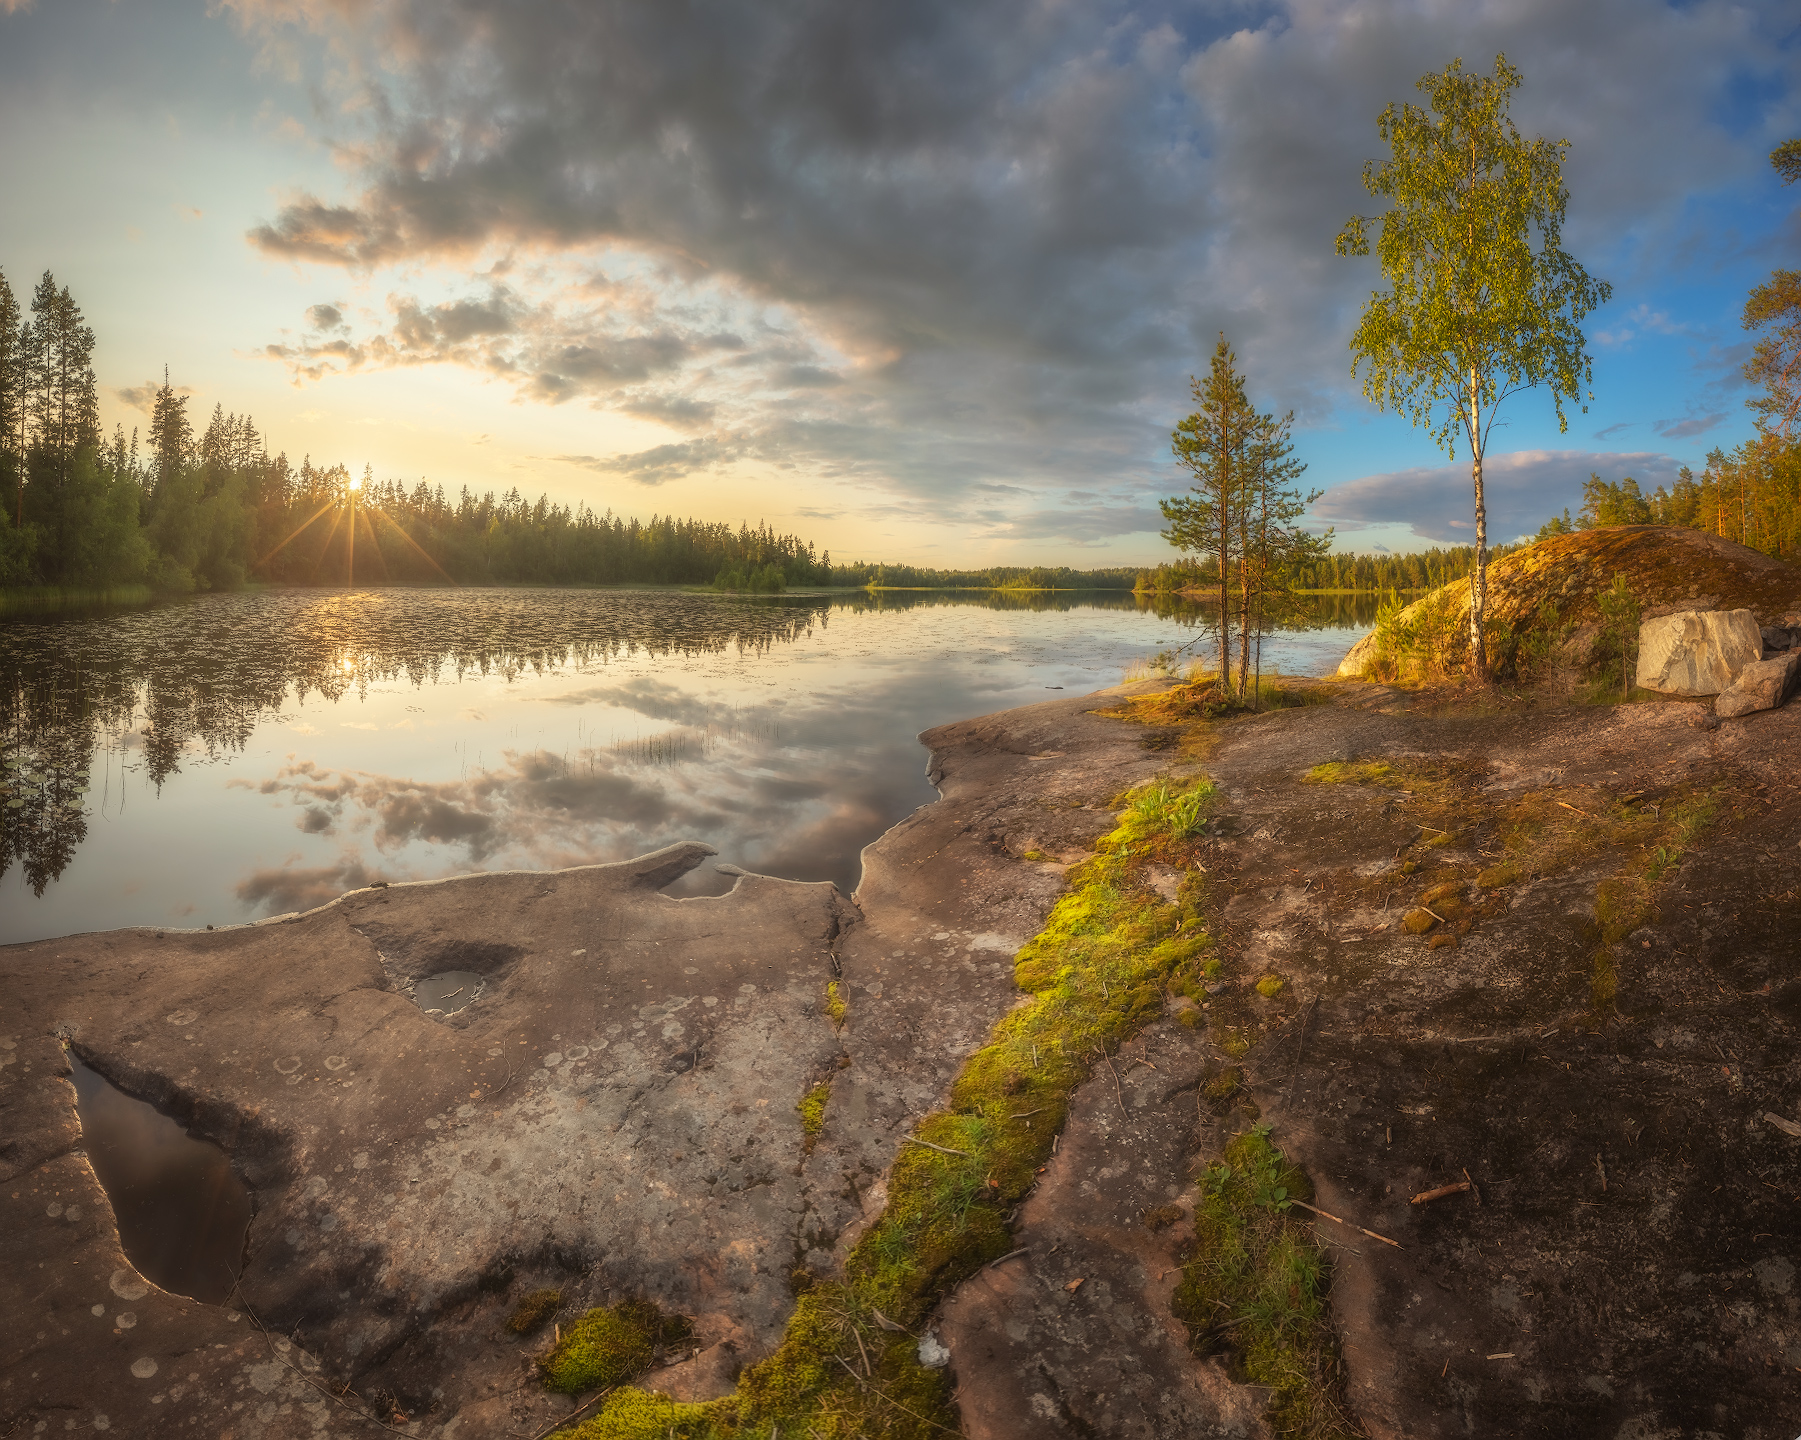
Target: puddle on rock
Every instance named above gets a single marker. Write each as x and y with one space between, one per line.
182 1213
447 993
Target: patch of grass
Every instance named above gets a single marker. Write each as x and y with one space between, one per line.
534 1311
811 1108
610 1345
1256 1286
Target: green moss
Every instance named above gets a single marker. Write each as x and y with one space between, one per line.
1034 855
1224 1085
835 1005
631 1414
1341 772
609 1346
534 1311
1270 986
1256 1285
1446 890
811 1108
1418 922
1508 872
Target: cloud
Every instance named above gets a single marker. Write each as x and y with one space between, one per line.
931 246
325 317
1691 426
1522 491
660 462
143 397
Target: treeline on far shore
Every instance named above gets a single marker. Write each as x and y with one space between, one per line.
1341 571
174 510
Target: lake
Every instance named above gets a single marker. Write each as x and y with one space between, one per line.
216 759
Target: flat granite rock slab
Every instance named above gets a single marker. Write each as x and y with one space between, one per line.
613 1114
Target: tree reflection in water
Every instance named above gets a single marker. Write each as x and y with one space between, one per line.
101 699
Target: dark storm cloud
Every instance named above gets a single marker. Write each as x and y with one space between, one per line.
1522 491
1001 235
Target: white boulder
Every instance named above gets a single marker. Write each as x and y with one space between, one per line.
1761 685
1697 652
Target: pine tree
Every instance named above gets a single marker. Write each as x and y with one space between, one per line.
1211 445
64 404
12 398
171 438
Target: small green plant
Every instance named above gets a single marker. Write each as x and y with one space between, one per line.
1164 811
534 1311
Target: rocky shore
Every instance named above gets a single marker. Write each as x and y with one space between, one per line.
1541 952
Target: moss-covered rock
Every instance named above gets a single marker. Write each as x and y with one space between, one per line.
609 1345
1544 599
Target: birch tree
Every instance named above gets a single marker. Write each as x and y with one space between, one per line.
1483 301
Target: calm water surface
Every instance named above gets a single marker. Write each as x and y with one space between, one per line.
227 757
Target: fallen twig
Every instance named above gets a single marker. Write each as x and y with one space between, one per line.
1586 816
1028 1114
1011 1254
941 1149
310 1380
1477 1194
1118 1094
1458 1187
1324 1215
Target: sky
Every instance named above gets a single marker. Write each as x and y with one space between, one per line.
922 282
